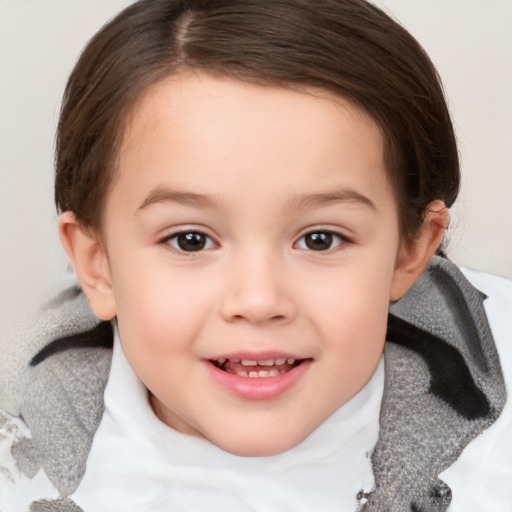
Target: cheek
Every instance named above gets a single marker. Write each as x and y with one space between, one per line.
160 307
351 311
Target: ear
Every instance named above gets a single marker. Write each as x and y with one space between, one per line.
89 258
414 257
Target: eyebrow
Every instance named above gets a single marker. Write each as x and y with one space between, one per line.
192 199
169 195
346 195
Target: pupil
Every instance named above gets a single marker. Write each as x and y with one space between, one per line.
319 241
191 241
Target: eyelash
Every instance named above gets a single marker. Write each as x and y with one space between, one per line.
328 235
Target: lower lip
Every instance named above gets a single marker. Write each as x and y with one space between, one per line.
258 388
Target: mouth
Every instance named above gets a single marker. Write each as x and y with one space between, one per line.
258 378
266 377
254 369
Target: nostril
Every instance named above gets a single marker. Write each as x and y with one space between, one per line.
258 317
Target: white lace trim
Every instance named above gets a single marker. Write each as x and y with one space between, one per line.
12 431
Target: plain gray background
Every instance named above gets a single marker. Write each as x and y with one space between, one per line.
470 42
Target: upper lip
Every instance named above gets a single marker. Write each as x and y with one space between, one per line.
257 356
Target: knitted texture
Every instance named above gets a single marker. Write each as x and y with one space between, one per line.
58 392
426 422
60 505
66 314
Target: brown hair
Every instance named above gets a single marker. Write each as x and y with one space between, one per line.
348 47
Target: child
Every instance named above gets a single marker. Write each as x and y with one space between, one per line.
244 188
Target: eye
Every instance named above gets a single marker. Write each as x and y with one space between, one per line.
190 241
320 241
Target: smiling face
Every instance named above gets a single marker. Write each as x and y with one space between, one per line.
251 241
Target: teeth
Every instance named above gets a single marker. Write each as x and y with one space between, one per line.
249 362
266 362
261 373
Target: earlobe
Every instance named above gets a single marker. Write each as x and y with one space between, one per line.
89 259
414 257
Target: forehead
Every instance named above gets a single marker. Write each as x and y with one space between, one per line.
193 126
195 96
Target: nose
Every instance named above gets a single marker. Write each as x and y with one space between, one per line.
257 291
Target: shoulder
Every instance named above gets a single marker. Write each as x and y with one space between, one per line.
485 466
44 450
54 400
445 397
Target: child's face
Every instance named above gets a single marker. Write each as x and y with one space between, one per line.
290 255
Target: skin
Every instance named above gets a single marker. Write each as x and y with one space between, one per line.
254 169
